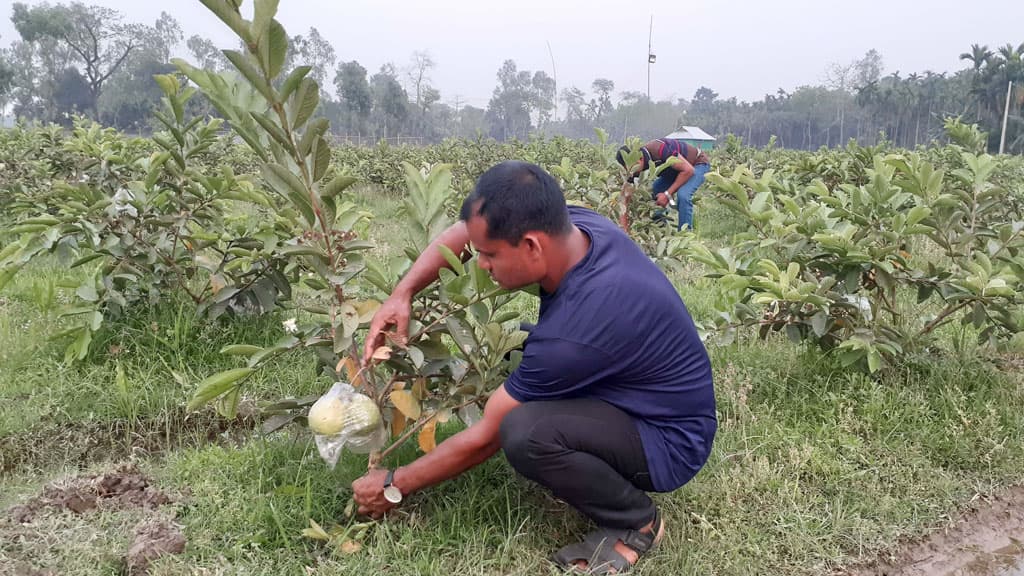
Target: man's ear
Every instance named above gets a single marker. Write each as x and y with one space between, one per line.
532 243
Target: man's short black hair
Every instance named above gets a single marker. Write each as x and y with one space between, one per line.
620 156
645 154
517 197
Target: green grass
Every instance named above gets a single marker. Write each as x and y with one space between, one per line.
814 466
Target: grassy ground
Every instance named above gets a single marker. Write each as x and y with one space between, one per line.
814 467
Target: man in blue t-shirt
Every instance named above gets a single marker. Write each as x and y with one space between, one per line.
613 398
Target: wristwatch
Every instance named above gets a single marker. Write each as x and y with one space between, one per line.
391 492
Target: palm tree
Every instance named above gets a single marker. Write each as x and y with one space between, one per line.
980 57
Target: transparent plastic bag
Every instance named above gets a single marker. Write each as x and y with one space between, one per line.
361 426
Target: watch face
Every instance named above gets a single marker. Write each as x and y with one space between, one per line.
393 494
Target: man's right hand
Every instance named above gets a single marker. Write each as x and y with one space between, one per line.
395 311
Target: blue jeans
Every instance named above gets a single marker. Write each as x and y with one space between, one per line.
684 196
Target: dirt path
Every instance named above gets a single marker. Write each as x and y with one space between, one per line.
89 442
987 540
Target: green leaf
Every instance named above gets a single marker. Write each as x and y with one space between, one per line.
277 422
228 14
819 323
288 186
305 250
303 103
168 83
293 80
216 385
240 350
462 335
10 250
275 131
316 129
337 185
874 360
452 259
87 292
77 311
7 273
916 214
27 228
273 49
79 347
227 405
416 355
322 159
266 354
242 63
263 14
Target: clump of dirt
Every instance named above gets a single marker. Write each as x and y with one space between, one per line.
986 540
123 488
26 570
153 539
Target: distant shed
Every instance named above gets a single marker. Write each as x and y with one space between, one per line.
695 137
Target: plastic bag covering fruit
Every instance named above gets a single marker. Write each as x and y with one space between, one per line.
343 418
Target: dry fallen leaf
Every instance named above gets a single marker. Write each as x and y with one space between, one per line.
382 353
351 547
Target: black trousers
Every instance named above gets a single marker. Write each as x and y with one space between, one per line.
588 453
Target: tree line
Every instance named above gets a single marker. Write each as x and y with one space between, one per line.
79 59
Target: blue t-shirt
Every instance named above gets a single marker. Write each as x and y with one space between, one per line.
617 330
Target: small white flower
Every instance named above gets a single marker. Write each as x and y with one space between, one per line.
290 326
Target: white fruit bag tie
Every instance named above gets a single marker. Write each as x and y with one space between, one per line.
343 417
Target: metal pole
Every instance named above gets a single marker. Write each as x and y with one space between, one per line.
1006 116
650 37
554 74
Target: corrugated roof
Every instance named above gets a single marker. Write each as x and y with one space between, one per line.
690 133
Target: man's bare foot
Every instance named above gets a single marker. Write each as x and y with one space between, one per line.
628 553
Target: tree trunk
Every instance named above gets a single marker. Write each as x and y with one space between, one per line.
842 124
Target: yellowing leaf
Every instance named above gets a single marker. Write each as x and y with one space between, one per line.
406 403
366 310
427 438
419 389
217 283
315 531
351 370
398 422
382 353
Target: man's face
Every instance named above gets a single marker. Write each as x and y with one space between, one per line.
510 266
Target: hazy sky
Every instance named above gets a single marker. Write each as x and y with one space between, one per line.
742 48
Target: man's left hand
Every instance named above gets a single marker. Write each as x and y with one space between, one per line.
368 493
662 199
